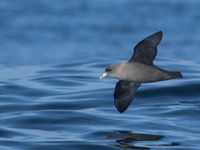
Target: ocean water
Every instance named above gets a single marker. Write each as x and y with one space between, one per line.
52 54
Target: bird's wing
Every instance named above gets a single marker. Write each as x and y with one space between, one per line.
145 51
124 93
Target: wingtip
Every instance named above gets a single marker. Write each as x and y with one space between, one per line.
121 111
120 107
155 38
160 33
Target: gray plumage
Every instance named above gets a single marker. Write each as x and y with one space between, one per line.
139 69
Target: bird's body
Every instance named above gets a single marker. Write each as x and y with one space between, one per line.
143 73
139 69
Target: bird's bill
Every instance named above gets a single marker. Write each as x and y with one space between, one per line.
103 76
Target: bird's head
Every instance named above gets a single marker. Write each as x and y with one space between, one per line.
112 71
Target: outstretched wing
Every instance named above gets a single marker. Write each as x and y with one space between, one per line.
124 93
146 50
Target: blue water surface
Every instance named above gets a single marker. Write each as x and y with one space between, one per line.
52 54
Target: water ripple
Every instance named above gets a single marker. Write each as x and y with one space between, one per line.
67 106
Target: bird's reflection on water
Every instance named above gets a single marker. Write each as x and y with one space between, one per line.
127 139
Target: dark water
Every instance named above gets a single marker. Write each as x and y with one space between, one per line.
52 54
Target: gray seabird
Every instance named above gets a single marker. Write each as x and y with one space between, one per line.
139 69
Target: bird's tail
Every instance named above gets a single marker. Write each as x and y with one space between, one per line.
175 74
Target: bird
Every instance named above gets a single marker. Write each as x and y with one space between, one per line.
139 69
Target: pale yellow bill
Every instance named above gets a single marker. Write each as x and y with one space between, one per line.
103 76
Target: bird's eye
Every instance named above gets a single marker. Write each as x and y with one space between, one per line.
108 70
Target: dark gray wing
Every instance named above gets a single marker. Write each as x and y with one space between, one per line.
146 50
124 93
